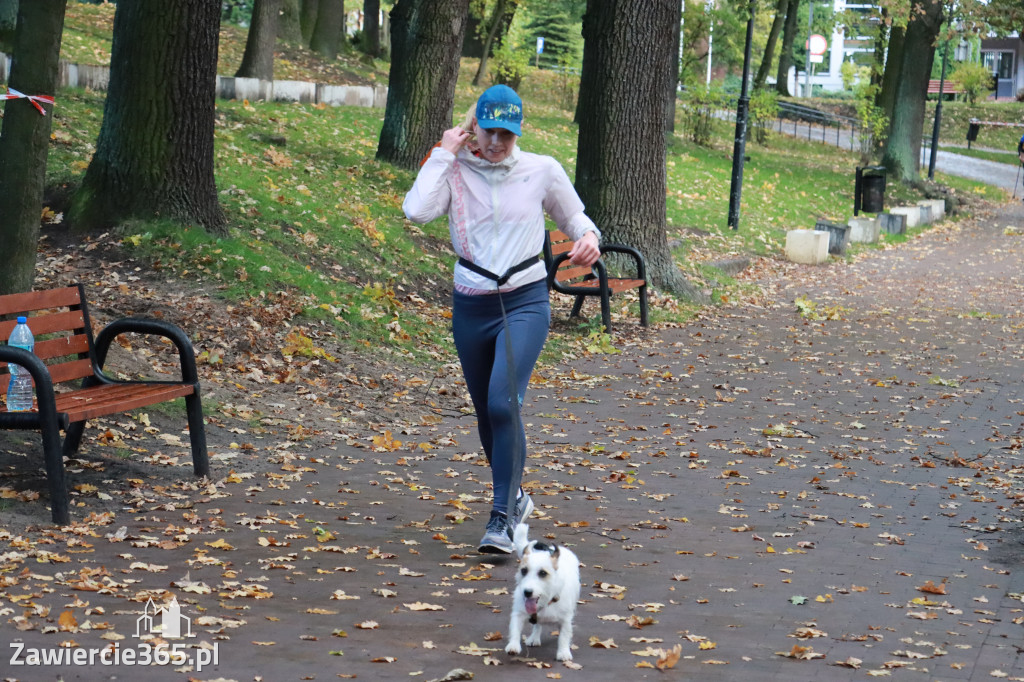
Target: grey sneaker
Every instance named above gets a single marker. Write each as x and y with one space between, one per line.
496 539
522 511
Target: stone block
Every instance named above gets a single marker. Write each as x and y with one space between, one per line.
348 95
807 246
252 89
863 230
937 206
912 213
893 223
295 91
838 235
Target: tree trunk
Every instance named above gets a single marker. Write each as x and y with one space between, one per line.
672 74
426 40
258 60
371 28
8 22
307 19
903 146
786 53
25 139
620 169
886 97
769 48
878 61
289 26
154 155
499 21
330 26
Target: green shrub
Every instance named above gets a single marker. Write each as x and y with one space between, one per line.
973 79
698 106
764 108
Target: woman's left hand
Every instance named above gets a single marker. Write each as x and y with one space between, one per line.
585 252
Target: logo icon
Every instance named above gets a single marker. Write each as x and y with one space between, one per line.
165 621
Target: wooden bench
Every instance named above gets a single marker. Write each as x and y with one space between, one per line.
581 282
948 87
66 352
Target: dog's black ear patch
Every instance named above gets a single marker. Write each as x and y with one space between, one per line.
544 547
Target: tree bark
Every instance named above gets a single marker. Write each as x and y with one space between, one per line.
786 53
371 28
289 26
25 139
903 146
8 22
769 48
672 74
307 19
886 97
620 169
426 40
501 18
330 26
154 155
258 60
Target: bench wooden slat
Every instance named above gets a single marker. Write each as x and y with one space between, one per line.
31 301
48 323
106 399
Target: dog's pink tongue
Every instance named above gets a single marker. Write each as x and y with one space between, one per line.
531 605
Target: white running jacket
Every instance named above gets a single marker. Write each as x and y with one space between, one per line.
496 210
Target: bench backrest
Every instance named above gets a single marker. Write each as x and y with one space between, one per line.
556 244
59 320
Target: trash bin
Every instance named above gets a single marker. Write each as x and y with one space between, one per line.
869 190
972 131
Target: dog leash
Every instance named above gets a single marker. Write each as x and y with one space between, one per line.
519 446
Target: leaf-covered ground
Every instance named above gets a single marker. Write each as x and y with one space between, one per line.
824 491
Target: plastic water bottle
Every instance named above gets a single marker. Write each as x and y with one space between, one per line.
19 390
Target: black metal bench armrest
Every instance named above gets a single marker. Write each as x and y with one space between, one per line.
153 327
600 273
641 267
45 398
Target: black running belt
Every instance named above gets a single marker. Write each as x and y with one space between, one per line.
500 279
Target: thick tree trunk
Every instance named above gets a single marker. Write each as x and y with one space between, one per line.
307 19
672 74
786 53
25 139
154 155
903 146
329 29
289 25
769 48
258 60
8 22
371 28
426 40
620 169
878 61
886 97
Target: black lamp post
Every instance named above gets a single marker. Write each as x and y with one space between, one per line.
938 115
740 141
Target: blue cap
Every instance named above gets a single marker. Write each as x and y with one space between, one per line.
500 107
22 319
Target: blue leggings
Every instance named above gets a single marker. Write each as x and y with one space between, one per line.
479 332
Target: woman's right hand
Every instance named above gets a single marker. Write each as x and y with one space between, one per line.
453 139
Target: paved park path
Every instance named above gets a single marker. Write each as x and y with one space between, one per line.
772 495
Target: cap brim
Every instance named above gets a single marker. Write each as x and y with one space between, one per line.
514 128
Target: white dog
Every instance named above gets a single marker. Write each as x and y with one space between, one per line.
547 588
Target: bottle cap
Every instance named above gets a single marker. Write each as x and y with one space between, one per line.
22 319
